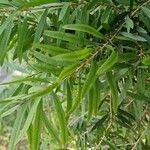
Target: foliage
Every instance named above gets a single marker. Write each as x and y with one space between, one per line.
85 73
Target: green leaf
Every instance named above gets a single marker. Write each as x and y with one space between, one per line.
16 127
69 96
65 37
100 122
37 127
26 79
84 28
126 114
50 127
22 33
114 91
40 27
144 18
63 11
44 91
73 56
50 49
146 11
9 111
67 71
141 81
131 36
63 59
61 118
90 79
13 99
6 23
146 61
5 3
91 103
49 60
125 120
106 17
77 102
28 120
97 98
5 40
46 68
30 134
111 60
129 24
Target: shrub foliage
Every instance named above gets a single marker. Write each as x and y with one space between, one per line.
85 79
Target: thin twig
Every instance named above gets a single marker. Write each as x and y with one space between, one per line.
139 139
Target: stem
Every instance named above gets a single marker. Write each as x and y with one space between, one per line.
139 139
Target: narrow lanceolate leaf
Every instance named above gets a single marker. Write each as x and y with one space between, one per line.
61 118
91 102
5 40
129 24
64 36
49 60
22 32
146 11
63 59
50 49
97 98
100 122
44 91
37 127
69 96
28 120
50 127
43 67
73 56
16 127
6 105
130 36
90 79
114 91
67 71
7 22
30 133
146 61
144 18
84 28
77 101
40 27
13 99
9 111
26 79
108 63
63 11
